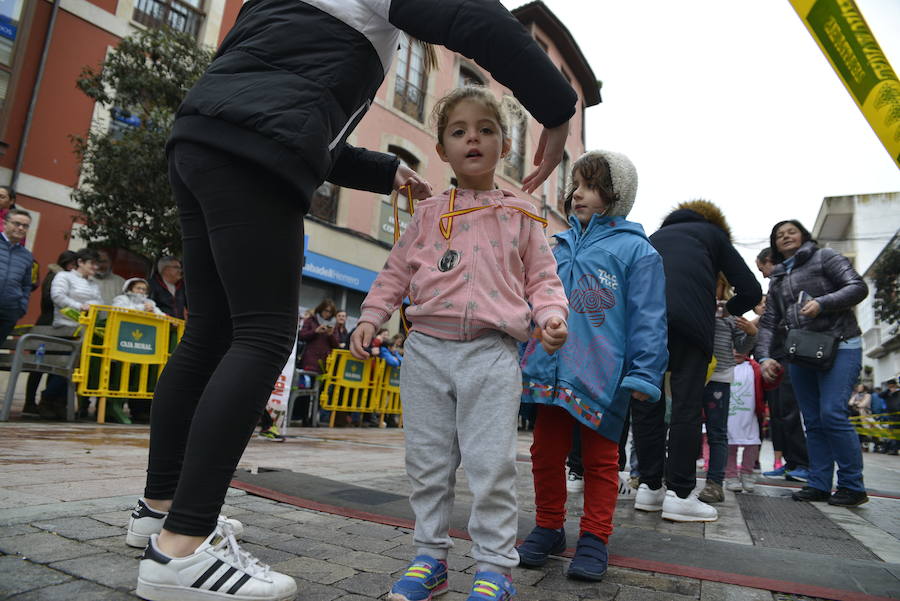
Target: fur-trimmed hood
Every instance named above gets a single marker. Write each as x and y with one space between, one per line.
705 210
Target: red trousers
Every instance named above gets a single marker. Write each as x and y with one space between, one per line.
552 441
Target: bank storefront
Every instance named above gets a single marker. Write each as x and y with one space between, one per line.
338 266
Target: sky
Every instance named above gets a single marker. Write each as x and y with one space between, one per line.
731 101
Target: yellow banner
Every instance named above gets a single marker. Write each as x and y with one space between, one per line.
845 38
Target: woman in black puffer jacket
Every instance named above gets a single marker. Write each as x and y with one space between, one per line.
815 289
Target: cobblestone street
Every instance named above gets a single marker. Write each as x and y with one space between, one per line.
68 490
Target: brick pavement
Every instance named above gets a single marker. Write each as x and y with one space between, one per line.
68 489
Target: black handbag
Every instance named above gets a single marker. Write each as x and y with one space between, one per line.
814 350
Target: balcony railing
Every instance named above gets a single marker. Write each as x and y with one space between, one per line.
180 16
409 98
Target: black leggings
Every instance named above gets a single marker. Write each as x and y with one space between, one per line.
243 241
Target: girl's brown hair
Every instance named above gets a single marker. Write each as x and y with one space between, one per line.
441 112
326 305
595 172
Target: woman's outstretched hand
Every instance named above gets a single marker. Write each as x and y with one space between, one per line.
420 188
547 156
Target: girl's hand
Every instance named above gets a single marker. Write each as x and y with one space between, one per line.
640 396
407 177
148 306
811 309
554 334
361 340
747 327
321 330
547 156
771 369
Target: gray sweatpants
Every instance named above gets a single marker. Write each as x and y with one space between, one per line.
461 403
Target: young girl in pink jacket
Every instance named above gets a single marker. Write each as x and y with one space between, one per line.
477 268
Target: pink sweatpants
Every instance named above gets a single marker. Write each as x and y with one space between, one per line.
751 454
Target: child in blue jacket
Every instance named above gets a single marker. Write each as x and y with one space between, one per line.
616 352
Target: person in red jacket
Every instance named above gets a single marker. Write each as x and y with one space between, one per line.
320 336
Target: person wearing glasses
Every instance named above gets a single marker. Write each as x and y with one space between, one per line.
15 270
167 287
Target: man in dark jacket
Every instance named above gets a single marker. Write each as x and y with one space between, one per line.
695 246
15 270
167 287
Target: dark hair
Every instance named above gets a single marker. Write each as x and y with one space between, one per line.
67 258
326 305
765 255
12 212
11 192
594 170
805 236
87 254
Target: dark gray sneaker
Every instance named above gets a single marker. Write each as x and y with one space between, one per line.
808 493
844 497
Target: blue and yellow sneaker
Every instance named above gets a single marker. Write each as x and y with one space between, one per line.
491 586
425 578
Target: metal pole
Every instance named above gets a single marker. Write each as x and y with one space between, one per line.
20 154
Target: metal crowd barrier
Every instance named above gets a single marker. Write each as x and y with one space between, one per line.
355 386
123 352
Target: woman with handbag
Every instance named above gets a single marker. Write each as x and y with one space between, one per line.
811 296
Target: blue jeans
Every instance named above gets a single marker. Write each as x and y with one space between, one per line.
830 439
716 397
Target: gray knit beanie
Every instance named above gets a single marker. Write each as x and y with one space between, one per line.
624 179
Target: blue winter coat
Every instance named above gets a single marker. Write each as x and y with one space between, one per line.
617 326
15 277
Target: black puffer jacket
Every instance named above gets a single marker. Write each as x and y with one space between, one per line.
825 276
293 78
695 246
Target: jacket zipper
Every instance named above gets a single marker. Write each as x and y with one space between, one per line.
350 122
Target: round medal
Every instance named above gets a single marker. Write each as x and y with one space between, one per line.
449 260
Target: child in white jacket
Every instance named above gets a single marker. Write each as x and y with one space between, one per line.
134 296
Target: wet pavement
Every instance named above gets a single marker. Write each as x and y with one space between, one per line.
67 489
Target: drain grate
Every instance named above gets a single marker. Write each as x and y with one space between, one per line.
782 523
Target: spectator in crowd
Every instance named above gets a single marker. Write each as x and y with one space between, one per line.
815 289
340 330
764 262
319 332
75 290
861 401
15 270
167 287
135 295
891 398
786 427
732 334
110 283
745 414
66 261
7 201
72 292
695 244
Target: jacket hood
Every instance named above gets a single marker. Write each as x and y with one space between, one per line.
131 281
698 210
624 179
599 227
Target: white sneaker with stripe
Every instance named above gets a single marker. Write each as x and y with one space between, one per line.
218 570
145 521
